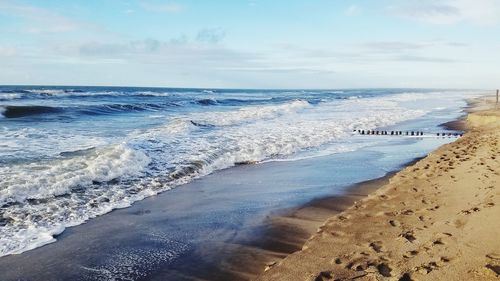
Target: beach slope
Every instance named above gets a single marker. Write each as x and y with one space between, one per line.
435 220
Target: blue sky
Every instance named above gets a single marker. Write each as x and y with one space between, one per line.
252 43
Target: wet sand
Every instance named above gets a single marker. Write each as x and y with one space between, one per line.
282 233
435 220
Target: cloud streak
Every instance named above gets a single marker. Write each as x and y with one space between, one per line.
6 51
447 12
40 20
161 7
211 35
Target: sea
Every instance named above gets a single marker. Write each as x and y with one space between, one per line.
70 154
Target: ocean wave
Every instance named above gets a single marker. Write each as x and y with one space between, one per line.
236 101
9 96
48 179
34 143
185 124
15 91
248 114
152 94
114 108
41 199
17 111
82 93
207 102
413 96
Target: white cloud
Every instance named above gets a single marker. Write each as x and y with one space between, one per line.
211 35
40 20
483 12
395 46
147 46
7 51
377 52
352 10
401 46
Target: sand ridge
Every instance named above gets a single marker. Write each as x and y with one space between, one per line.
435 220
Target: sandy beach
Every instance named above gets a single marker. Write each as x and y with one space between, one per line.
435 220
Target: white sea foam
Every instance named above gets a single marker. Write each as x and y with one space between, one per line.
9 96
412 96
247 114
46 91
60 194
53 178
69 93
33 143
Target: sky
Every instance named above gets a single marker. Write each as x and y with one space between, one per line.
313 44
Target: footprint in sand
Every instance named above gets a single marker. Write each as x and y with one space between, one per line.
470 211
407 212
459 223
427 268
494 262
376 246
384 270
495 268
405 277
383 197
493 256
434 208
410 254
324 275
394 223
424 201
438 242
342 218
408 235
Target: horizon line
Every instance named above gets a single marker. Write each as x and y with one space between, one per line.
252 89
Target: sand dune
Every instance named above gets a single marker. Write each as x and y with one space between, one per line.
436 220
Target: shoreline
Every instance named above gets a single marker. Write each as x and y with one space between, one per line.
285 231
282 232
218 227
394 232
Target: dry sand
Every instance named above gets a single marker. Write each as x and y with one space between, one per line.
436 220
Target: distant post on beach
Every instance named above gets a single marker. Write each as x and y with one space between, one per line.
497 98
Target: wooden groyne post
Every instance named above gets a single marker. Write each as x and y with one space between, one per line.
497 99
405 133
